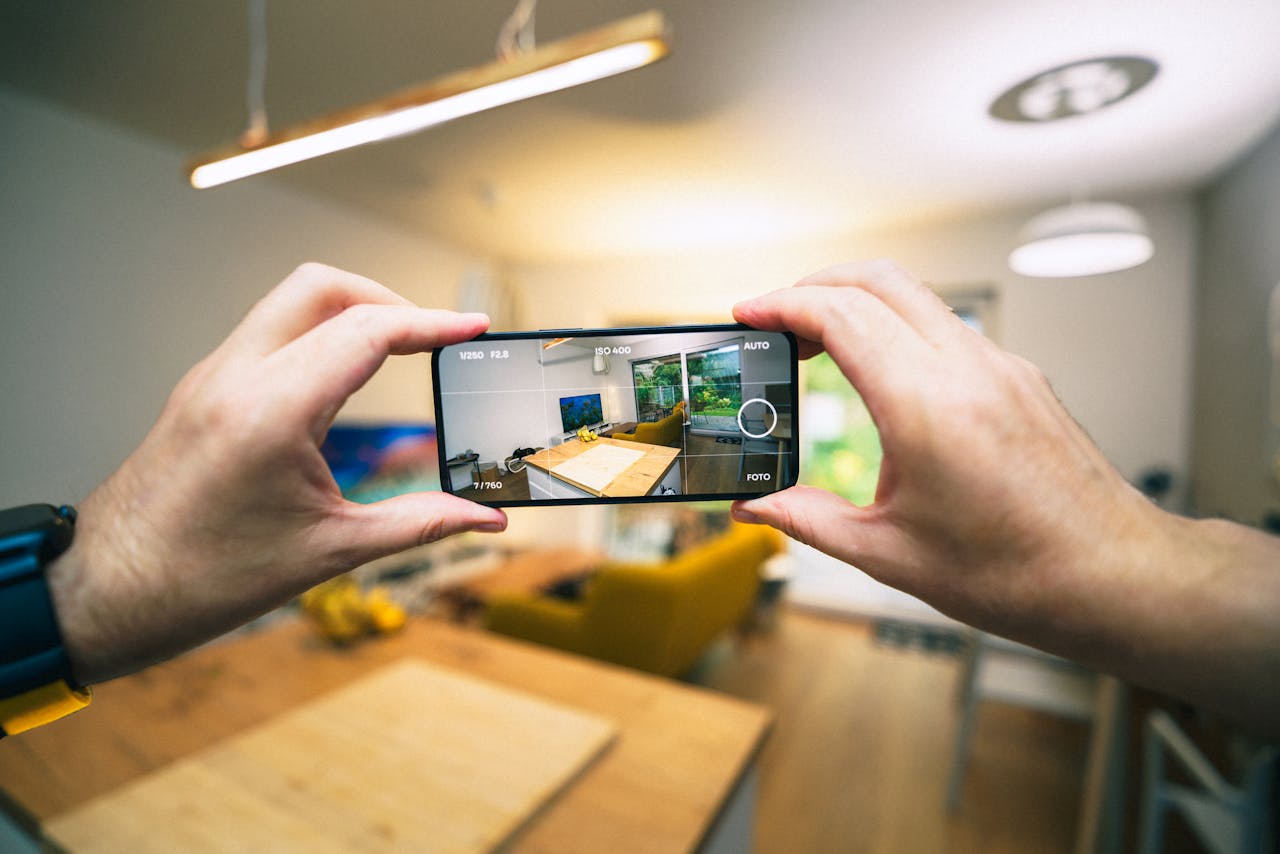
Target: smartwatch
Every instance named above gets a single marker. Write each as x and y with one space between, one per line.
35 673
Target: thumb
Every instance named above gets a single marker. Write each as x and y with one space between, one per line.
817 518
368 531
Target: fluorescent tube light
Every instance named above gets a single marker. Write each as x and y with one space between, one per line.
618 47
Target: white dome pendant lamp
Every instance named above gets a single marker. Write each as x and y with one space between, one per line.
1082 239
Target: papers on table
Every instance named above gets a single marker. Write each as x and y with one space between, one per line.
596 467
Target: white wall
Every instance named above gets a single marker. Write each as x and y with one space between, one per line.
115 277
1237 424
494 406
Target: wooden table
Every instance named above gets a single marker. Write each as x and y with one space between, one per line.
679 776
640 478
525 572
471 460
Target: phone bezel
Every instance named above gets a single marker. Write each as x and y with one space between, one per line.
542 334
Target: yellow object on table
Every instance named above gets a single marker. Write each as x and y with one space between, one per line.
343 613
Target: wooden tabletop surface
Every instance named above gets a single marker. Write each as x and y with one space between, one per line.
525 572
679 753
638 479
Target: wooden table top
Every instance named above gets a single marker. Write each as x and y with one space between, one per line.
679 753
637 479
531 571
527 572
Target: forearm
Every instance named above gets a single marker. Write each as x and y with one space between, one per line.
1190 608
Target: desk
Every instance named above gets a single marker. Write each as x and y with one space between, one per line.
640 478
472 460
526 572
678 776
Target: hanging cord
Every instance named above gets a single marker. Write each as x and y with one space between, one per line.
516 35
256 89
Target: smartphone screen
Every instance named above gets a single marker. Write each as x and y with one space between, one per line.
582 416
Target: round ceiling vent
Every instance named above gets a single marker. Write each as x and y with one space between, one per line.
1075 89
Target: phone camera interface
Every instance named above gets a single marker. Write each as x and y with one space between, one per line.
702 412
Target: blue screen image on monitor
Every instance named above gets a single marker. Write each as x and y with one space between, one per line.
581 410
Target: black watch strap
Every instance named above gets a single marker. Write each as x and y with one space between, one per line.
34 667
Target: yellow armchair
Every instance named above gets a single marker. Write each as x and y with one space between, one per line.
668 431
654 617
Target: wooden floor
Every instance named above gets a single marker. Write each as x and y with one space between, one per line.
858 758
711 467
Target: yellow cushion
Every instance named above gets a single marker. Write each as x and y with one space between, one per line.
654 617
668 431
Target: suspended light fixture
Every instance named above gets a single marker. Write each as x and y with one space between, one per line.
1082 239
522 72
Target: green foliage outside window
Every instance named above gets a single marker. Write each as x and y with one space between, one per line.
846 459
715 385
657 383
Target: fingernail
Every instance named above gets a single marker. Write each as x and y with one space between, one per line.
491 527
742 514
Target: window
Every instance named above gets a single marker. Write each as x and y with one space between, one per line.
715 387
709 379
659 384
842 450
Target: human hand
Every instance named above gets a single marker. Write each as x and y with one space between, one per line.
227 508
991 499
995 507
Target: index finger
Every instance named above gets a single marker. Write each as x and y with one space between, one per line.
306 298
330 362
902 292
880 353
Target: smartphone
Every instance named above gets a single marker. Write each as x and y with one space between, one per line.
584 416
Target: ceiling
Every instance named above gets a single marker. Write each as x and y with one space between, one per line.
772 121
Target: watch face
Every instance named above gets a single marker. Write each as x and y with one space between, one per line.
44 519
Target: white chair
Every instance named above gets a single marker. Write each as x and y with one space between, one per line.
1227 819
1035 679
982 648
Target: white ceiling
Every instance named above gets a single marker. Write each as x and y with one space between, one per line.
772 121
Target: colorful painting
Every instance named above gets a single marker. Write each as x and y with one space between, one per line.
371 462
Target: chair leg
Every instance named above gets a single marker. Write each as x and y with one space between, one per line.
967 697
1151 834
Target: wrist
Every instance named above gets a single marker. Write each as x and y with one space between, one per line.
90 588
72 607
1090 585
1180 605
